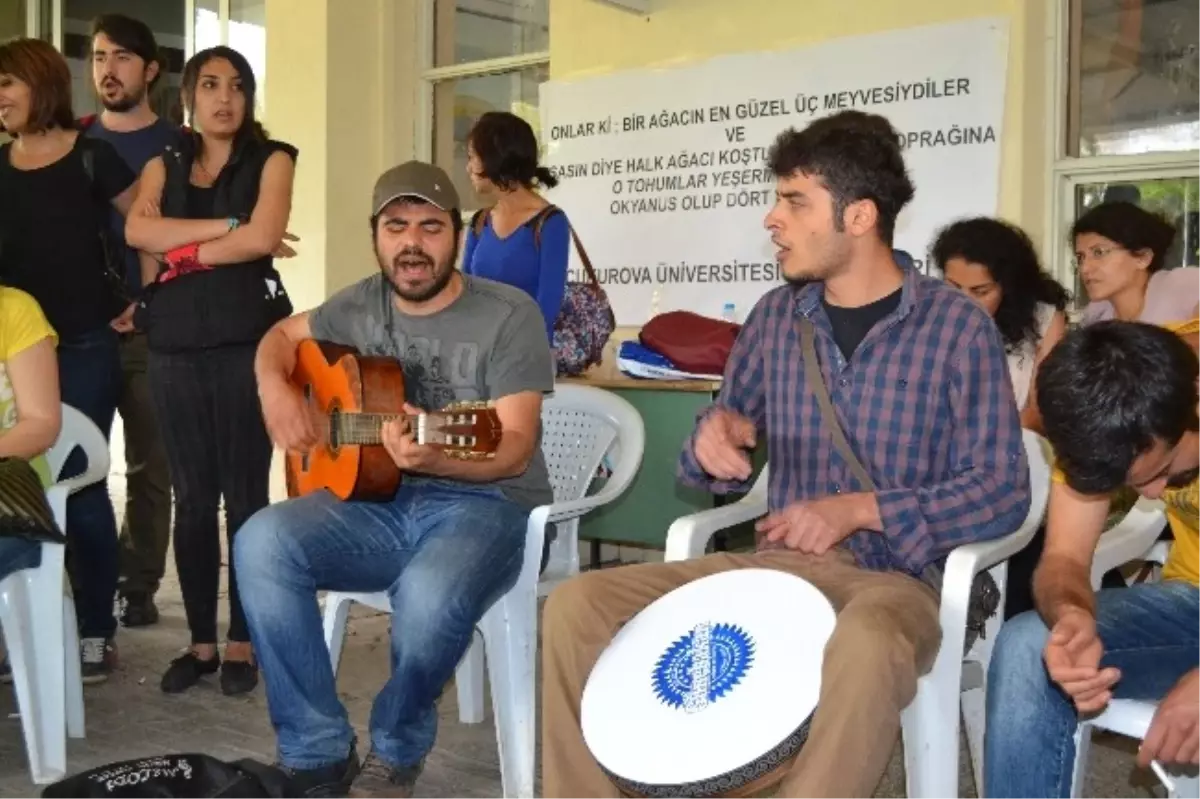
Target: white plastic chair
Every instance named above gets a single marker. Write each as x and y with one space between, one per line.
579 426
931 722
1135 538
38 617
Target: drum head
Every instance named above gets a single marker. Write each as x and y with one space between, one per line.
655 715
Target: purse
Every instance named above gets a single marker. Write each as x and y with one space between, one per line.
24 511
190 775
985 595
585 320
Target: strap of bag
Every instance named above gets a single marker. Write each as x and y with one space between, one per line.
545 214
816 383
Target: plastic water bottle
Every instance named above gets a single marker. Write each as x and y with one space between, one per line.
729 313
654 299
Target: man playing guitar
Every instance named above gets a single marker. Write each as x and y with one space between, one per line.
451 540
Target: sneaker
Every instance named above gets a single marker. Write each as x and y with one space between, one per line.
98 658
138 610
377 778
186 671
325 781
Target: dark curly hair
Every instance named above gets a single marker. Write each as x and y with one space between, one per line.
1132 227
508 151
1008 255
857 156
1107 392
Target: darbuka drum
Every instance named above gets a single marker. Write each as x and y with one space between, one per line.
710 690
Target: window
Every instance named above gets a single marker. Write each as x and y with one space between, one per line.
240 24
1175 199
485 55
1125 118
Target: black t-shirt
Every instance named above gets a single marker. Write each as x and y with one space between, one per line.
851 325
50 223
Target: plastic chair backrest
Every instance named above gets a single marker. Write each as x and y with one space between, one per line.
579 425
79 431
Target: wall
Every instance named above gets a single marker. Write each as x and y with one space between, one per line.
342 78
588 37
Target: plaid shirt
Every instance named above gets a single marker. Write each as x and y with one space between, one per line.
925 401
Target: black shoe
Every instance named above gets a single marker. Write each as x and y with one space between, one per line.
138 610
325 781
238 677
186 671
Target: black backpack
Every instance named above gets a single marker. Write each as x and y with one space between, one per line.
176 775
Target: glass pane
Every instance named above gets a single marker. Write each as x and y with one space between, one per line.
207 29
1175 199
248 35
458 103
474 30
166 19
1134 77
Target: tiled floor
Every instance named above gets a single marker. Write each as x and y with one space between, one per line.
129 717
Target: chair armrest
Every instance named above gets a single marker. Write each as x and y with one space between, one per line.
1130 539
56 497
688 535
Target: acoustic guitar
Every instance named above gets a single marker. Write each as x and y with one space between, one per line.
351 396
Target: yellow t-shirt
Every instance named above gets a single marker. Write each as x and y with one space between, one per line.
22 324
1182 507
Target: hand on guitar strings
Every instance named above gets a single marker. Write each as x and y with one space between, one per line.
400 442
721 443
289 421
813 526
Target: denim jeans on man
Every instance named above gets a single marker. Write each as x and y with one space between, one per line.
443 551
89 370
1149 632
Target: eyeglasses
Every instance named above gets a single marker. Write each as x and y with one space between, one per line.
1095 253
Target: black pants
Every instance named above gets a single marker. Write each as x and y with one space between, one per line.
217 447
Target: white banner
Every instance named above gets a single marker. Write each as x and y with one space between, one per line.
662 170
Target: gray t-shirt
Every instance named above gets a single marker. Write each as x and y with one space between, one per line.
487 344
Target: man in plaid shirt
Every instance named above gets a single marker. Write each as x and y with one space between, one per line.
919 382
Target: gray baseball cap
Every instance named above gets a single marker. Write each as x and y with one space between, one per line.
415 179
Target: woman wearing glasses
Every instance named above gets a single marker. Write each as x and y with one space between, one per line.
1120 251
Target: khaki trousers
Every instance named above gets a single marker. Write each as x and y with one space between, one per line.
886 636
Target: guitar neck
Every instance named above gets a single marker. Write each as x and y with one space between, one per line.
367 428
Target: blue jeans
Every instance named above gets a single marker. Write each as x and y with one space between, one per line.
17 554
1149 631
443 551
89 372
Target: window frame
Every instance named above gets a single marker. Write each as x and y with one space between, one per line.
431 75
1067 172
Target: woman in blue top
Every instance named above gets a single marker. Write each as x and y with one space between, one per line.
517 241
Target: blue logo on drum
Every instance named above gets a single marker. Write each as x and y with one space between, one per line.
703 665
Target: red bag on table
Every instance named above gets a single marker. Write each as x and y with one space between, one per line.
692 342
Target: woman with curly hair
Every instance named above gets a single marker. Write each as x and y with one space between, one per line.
1120 252
995 263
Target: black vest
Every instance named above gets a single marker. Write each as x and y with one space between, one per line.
230 304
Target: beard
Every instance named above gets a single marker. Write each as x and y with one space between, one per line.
827 260
441 274
125 101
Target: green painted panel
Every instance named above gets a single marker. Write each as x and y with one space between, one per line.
645 511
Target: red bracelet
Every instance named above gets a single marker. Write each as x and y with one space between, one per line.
183 260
